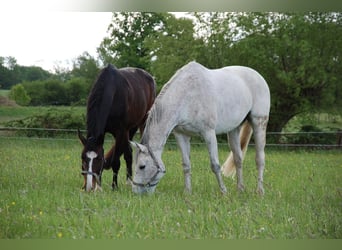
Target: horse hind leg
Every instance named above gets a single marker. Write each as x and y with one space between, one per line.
237 156
259 127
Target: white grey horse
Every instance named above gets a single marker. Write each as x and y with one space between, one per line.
207 102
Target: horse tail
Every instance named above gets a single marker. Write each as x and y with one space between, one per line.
228 168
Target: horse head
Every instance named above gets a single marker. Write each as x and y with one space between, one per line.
148 170
92 162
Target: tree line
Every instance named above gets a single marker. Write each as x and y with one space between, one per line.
298 54
36 86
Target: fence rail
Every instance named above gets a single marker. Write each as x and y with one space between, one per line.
324 140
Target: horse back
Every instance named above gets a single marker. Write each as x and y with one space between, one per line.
139 91
120 98
140 88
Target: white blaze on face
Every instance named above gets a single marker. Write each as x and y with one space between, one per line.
91 155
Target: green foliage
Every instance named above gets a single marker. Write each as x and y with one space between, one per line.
41 197
44 124
11 73
19 95
77 91
127 33
298 55
87 67
171 46
57 92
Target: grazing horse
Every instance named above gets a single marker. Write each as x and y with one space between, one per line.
118 103
197 100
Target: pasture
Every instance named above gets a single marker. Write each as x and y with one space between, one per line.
41 198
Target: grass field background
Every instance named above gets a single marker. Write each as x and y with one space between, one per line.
40 194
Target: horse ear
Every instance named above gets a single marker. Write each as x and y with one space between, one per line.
81 137
139 146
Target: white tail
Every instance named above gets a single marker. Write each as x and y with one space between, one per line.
228 168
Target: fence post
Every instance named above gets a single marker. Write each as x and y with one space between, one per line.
339 138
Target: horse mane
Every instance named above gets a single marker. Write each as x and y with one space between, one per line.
100 101
156 110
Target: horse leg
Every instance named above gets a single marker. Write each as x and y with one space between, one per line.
259 126
211 141
184 145
234 143
116 159
128 154
115 167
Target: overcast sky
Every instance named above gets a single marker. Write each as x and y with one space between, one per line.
47 39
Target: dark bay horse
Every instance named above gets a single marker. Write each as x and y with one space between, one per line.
118 104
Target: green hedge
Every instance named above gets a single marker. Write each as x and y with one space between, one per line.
47 123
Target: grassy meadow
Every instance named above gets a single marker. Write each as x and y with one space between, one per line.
40 194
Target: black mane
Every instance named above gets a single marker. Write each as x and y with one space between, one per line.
99 102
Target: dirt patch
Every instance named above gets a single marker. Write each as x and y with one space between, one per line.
5 101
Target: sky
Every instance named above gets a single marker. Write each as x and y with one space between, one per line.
51 38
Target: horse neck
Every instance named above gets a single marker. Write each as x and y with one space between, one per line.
156 132
163 117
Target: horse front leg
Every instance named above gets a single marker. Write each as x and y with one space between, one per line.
184 145
210 139
128 159
122 146
116 168
128 154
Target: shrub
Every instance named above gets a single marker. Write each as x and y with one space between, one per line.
45 124
19 95
311 134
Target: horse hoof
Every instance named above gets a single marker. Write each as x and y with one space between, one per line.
260 191
114 187
241 188
224 190
129 182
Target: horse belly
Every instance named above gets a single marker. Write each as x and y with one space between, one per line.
232 108
227 124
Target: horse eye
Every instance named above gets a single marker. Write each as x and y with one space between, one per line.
141 167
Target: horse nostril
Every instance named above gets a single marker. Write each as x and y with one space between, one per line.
142 167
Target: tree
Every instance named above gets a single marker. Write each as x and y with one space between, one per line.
171 47
11 73
19 95
77 90
218 32
125 44
299 56
85 66
7 76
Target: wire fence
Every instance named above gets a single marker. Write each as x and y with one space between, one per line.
317 140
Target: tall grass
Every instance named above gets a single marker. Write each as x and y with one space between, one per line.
41 198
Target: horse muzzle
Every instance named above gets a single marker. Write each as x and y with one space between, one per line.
143 189
92 181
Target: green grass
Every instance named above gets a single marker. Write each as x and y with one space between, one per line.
41 198
4 92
